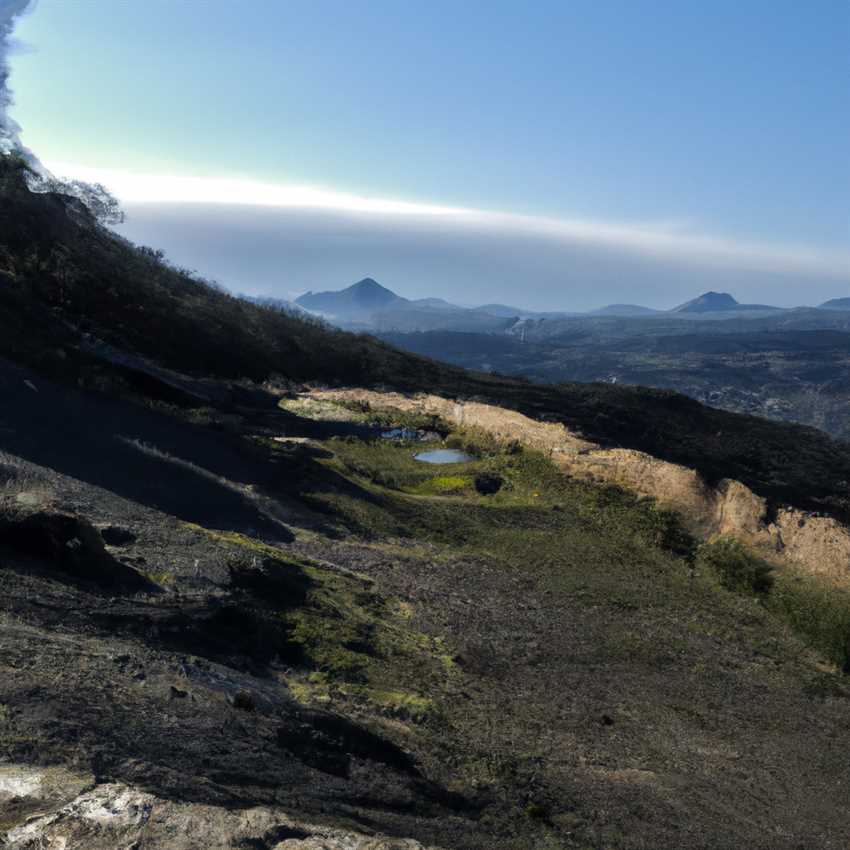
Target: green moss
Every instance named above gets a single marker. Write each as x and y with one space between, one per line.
250 544
319 689
355 645
403 704
162 577
442 485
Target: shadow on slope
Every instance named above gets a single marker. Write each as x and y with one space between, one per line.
182 470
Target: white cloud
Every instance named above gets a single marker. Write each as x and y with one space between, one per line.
672 241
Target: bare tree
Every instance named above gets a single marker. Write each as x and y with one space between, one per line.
95 197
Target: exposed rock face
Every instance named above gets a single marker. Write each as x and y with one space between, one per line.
820 545
52 808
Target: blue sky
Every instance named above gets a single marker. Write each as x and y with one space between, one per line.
721 120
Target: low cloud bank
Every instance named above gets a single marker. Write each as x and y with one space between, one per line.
470 257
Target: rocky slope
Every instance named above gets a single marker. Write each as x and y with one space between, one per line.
68 810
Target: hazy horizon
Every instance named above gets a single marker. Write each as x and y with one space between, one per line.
283 253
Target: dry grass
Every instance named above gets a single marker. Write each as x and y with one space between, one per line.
23 486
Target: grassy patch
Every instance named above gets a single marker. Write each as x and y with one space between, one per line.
322 410
594 541
444 485
384 418
536 498
249 545
821 614
161 577
354 645
737 569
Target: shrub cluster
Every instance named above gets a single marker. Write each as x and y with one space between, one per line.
737 569
816 611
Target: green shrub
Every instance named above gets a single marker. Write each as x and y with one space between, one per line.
737 569
816 611
819 612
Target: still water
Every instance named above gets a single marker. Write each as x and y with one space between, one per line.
444 456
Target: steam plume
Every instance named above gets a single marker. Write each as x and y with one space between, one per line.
10 142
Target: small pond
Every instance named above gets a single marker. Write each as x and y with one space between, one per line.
444 456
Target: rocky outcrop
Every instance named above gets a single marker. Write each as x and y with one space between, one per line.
818 544
73 547
53 808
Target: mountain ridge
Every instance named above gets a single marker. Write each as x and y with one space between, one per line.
368 303
835 304
364 297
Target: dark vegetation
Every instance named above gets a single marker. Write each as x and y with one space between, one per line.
789 371
66 285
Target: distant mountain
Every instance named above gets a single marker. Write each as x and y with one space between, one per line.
361 299
501 310
366 305
624 310
436 304
505 311
718 302
835 304
708 302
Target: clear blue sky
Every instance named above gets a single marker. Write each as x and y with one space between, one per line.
728 118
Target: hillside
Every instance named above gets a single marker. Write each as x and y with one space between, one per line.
836 304
624 310
235 615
